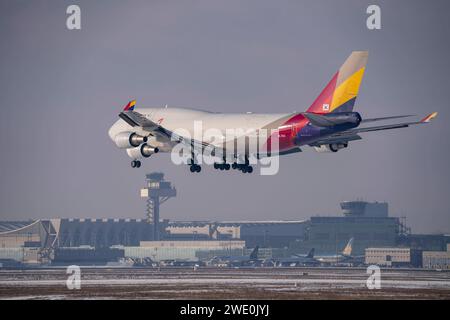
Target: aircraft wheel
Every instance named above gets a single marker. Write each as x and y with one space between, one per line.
234 165
227 166
133 164
216 165
244 169
138 164
198 168
249 169
334 147
192 168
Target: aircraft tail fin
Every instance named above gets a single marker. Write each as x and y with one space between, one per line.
348 248
254 254
310 253
340 93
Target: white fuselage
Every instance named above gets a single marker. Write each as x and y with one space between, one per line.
206 124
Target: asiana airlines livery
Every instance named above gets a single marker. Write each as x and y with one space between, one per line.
328 125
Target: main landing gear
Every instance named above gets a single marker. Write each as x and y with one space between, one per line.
222 166
193 167
135 164
244 167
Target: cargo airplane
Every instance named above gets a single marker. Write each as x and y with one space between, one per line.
328 125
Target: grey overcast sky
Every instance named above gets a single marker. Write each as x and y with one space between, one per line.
60 91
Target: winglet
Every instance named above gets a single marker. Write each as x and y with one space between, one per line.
429 117
130 105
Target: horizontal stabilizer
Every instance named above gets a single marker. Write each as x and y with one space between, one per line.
323 121
427 119
385 118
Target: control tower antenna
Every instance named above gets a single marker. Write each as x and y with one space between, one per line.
156 192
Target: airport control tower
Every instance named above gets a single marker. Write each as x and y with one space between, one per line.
156 192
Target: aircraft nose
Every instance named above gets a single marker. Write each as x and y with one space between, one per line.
111 132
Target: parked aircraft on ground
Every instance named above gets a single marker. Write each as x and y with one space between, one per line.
345 257
237 261
296 260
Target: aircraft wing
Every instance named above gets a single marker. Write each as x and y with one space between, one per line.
353 134
136 119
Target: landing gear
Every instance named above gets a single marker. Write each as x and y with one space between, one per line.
222 166
195 168
135 164
245 168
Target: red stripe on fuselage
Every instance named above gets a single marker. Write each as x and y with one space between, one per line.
287 133
291 127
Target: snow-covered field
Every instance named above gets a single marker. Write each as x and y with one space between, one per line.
172 283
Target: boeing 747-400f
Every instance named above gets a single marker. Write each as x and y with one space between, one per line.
231 139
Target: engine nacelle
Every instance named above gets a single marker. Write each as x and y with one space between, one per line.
125 140
143 151
332 147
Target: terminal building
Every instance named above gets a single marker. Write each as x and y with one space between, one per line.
437 259
367 223
393 257
275 234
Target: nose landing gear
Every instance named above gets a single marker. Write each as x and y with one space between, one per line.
135 164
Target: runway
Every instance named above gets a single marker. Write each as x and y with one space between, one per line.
213 283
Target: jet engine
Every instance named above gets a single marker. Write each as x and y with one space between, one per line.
143 151
125 140
332 147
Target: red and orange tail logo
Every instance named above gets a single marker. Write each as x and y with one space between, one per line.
130 105
340 93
